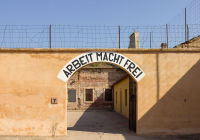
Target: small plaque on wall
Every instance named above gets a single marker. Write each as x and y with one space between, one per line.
54 100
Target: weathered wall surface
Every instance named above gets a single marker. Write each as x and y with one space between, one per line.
119 97
97 79
27 84
167 97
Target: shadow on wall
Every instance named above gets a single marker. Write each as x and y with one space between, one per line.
178 110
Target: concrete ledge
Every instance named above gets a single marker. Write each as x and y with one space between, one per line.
64 50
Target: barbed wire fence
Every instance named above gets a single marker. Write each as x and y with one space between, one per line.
76 36
71 36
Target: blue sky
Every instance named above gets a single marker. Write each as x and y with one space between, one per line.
90 12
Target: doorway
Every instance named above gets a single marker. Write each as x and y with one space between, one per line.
132 104
90 93
121 100
125 101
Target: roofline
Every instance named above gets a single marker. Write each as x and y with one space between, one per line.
82 50
188 41
123 78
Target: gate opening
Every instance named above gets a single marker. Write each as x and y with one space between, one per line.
102 96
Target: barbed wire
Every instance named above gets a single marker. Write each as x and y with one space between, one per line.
79 36
75 36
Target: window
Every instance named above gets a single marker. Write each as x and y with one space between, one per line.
108 95
126 96
71 95
88 94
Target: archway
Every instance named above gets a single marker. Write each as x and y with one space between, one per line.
135 72
110 57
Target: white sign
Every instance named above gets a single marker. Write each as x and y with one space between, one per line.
92 57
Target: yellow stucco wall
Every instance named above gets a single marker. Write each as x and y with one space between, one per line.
27 84
167 97
119 106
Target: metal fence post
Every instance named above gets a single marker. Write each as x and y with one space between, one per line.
119 36
187 32
167 34
50 36
185 26
150 39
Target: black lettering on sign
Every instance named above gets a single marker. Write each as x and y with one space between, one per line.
87 58
121 59
66 73
105 57
139 74
82 60
99 54
111 59
131 66
70 68
126 63
135 72
116 58
90 56
76 64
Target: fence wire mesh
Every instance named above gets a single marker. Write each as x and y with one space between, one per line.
71 36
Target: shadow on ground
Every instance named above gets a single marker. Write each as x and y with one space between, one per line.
99 121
